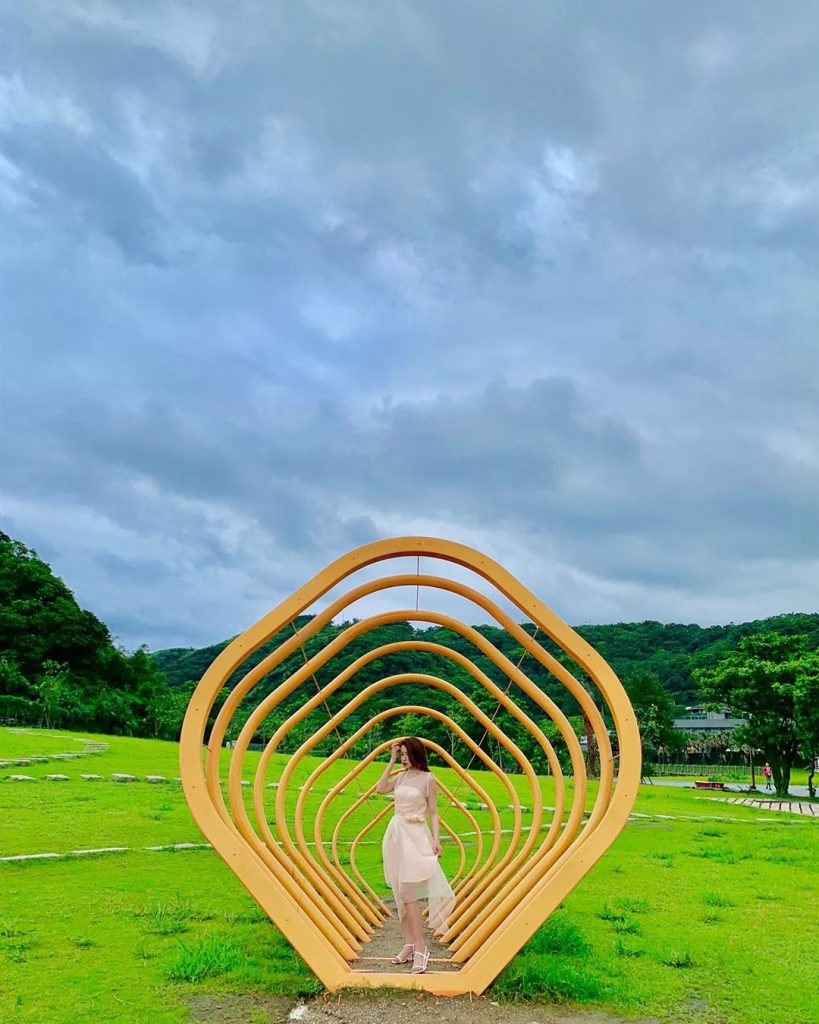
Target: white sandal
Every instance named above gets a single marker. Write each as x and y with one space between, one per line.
420 965
399 958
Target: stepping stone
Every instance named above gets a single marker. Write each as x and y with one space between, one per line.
102 849
22 778
38 760
180 846
22 762
155 778
6 764
57 778
90 777
32 856
120 777
272 785
246 783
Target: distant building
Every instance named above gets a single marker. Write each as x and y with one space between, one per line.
699 720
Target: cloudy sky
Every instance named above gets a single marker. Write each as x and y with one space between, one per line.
282 278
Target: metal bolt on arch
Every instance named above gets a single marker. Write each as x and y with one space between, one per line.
507 881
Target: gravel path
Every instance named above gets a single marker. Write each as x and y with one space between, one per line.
387 941
386 1008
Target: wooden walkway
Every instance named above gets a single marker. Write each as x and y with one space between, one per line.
792 806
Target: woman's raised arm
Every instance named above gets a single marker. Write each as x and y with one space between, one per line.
385 784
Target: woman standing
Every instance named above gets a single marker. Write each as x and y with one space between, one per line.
411 851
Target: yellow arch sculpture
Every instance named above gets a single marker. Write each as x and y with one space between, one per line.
514 883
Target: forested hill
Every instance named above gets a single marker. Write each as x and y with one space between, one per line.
59 665
670 651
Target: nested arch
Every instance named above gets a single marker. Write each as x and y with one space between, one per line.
478 870
313 907
500 873
291 645
305 672
458 878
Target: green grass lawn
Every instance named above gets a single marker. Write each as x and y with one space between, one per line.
702 910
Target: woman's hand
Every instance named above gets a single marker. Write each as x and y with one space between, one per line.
436 847
395 750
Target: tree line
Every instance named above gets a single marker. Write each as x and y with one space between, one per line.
59 666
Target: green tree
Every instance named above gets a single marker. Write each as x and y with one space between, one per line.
40 620
60 698
773 683
113 711
166 712
654 710
12 680
807 714
18 697
61 665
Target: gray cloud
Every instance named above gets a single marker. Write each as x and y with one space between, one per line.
286 280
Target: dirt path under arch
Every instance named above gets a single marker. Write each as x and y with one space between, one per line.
386 1008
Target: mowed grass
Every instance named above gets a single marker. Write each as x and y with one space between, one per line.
142 814
709 914
25 743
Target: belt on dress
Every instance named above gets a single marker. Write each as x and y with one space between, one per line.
414 819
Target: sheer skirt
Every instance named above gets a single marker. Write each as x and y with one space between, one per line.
412 871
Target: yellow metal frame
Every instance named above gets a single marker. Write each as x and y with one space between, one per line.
327 912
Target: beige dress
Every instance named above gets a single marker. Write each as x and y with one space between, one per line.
411 868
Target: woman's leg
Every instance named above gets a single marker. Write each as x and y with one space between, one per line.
412 925
404 919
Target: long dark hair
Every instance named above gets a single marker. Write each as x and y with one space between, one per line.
416 753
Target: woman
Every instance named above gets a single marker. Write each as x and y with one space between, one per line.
411 851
